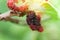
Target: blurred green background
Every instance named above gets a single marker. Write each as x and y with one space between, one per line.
21 31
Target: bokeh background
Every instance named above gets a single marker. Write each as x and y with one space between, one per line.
21 31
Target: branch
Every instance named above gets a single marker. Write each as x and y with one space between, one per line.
7 16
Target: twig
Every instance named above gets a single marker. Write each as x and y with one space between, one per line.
7 16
